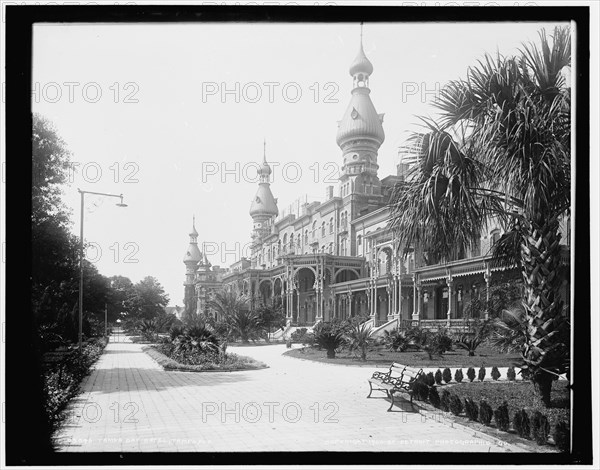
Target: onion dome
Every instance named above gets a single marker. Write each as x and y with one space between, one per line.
193 255
360 121
361 64
264 204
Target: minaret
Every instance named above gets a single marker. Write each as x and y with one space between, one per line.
263 208
360 132
191 259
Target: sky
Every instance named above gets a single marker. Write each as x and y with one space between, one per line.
175 117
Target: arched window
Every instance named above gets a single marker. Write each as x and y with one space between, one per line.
306 237
359 240
331 248
323 229
285 239
314 229
331 225
299 242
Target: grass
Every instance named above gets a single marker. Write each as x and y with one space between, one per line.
380 356
232 362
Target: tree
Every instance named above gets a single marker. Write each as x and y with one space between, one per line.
234 313
359 339
330 336
501 151
148 299
271 316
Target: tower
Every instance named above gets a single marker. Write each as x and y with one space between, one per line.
191 259
360 133
263 208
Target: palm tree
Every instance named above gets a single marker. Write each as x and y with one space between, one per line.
359 338
233 310
501 150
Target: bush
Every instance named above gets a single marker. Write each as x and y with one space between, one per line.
175 331
419 388
481 374
561 436
511 375
298 335
438 377
501 417
434 397
456 405
485 412
447 375
429 379
495 373
540 428
458 375
395 341
330 336
471 409
521 424
471 374
445 401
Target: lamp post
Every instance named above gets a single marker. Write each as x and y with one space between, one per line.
119 204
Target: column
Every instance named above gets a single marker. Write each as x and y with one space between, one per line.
450 284
399 281
488 277
417 299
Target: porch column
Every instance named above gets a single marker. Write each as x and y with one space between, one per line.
450 284
399 315
417 299
488 277
335 301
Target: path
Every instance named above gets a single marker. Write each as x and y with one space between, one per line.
129 404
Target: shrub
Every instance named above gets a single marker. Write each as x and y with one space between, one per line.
420 389
395 341
330 336
471 409
445 400
438 377
481 374
561 436
298 335
434 397
359 339
458 375
175 331
501 417
521 424
456 405
540 428
511 374
485 412
447 375
429 379
471 341
495 373
471 374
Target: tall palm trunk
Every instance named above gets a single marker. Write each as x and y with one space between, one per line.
540 265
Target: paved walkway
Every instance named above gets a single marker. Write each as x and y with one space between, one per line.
129 404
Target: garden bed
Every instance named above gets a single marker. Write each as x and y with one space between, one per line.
381 357
232 362
64 370
507 405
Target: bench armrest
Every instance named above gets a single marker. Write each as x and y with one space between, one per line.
381 374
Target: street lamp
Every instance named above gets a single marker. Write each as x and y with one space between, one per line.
119 204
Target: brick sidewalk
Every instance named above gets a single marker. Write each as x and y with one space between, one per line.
129 404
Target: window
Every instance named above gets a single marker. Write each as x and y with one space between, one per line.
331 248
359 240
331 225
306 237
476 248
285 239
323 229
494 236
314 229
299 243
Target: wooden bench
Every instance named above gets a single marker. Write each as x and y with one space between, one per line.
398 378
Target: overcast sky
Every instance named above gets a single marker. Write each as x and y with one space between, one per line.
142 109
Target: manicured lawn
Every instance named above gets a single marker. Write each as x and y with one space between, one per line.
379 356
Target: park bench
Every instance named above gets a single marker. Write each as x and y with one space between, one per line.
398 378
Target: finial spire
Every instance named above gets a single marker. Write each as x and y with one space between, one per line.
361 33
264 149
